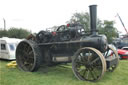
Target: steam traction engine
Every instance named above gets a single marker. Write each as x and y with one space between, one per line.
89 53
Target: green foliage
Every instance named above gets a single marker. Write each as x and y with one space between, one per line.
14 33
104 27
3 33
109 30
82 18
18 33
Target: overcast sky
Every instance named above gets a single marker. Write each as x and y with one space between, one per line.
36 15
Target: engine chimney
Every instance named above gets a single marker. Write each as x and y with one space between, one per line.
93 19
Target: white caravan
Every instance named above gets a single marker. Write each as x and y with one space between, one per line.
8 47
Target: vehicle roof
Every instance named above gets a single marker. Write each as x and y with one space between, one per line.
10 40
124 47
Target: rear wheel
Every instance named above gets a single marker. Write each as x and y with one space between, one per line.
88 64
28 56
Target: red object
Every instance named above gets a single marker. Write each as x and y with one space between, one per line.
122 53
68 25
53 33
125 57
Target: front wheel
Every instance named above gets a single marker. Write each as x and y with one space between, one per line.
88 64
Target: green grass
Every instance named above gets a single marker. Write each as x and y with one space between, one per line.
59 76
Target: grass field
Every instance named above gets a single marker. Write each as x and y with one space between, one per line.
59 75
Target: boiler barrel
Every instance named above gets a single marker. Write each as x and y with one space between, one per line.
99 42
69 48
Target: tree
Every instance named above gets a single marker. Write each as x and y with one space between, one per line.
109 30
15 33
82 18
3 33
104 27
18 33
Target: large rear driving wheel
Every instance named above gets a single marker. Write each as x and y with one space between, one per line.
28 56
88 64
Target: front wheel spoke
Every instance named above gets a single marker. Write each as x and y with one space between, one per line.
84 72
80 70
96 73
81 58
86 77
93 75
80 63
95 60
88 58
97 66
88 64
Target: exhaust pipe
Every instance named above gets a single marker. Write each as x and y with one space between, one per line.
93 19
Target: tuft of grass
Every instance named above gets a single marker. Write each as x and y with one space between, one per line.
59 75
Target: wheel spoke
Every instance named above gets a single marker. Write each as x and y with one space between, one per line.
80 63
82 57
95 60
86 77
96 73
26 57
87 64
30 53
88 60
93 76
80 70
84 72
29 49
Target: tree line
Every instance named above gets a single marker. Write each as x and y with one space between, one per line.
15 33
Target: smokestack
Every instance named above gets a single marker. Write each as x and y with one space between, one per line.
93 19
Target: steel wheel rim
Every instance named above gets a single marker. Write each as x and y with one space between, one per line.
25 57
91 70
